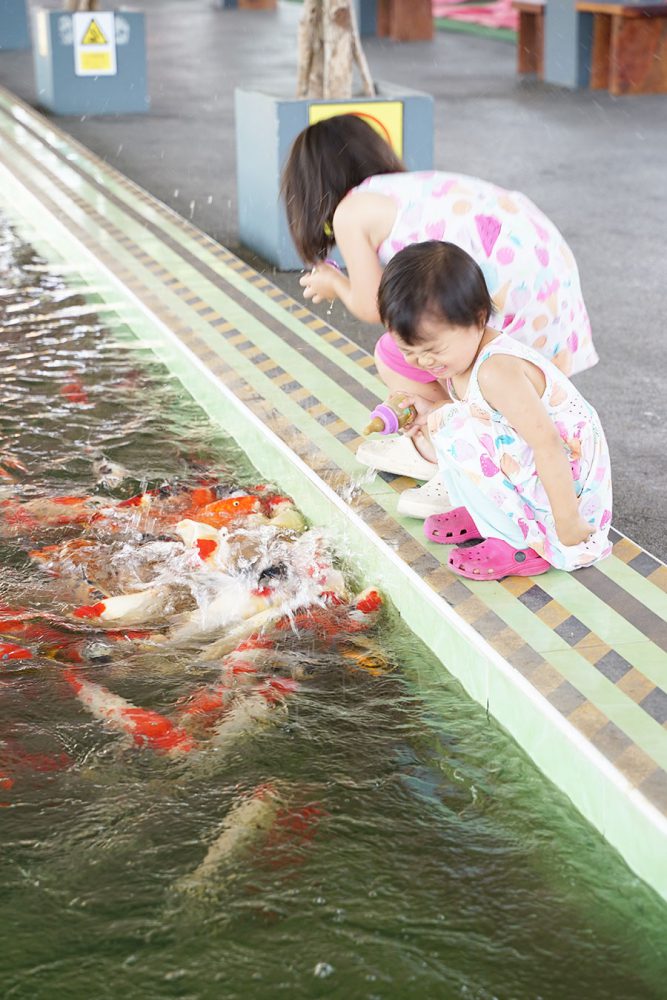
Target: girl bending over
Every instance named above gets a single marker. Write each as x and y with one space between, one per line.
344 186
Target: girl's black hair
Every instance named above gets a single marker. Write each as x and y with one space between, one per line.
326 160
433 279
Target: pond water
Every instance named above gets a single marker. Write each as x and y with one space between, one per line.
376 835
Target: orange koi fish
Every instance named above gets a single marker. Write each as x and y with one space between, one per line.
52 642
28 516
74 392
10 651
14 759
221 513
12 755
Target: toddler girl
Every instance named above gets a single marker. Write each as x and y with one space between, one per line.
522 454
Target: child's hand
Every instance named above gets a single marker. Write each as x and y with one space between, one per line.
427 411
320 283
574 530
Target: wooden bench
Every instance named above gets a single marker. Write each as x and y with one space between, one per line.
405 20
530 39
245 4
629 53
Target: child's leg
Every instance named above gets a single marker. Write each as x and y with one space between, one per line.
503 552
490 520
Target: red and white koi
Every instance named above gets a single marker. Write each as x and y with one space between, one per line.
127 609
211 543
239 668
262 706
145 727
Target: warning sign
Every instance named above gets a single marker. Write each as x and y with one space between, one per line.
94 44
386 117
93 35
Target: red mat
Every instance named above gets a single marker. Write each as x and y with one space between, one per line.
490 15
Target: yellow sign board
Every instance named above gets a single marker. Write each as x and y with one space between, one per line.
386 117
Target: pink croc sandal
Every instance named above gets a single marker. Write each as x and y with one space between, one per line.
452 527
495 559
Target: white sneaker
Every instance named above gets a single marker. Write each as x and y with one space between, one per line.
431 498
396 454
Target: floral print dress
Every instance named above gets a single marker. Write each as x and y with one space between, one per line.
491 471
529 268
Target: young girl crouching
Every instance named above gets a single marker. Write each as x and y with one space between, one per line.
522 454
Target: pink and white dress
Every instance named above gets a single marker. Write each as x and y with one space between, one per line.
490 470
529 269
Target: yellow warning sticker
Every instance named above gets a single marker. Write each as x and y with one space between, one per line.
94 43
386 117
99 62
94 35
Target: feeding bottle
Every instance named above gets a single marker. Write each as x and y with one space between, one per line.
389 417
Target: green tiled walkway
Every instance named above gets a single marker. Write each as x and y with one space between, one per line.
573 665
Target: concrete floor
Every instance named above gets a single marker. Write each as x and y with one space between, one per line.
595 164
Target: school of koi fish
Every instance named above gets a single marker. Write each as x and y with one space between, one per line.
161 568
188 570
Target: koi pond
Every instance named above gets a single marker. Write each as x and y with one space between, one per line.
226 767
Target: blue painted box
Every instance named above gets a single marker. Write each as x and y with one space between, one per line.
14 33
267 125
60 89
568 44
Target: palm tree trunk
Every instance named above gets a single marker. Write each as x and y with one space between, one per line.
82 5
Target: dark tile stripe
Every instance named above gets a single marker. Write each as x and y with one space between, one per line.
646 621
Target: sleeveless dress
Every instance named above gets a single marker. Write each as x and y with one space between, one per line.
529 269
490 470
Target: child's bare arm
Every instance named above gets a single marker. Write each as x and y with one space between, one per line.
356 230
508 388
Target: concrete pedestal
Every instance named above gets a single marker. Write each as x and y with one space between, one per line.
568 39
60 89
266 126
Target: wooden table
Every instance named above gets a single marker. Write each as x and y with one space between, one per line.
629 54
405 20
530 39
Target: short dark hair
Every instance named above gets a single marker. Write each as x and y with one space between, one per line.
432 279
326 160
